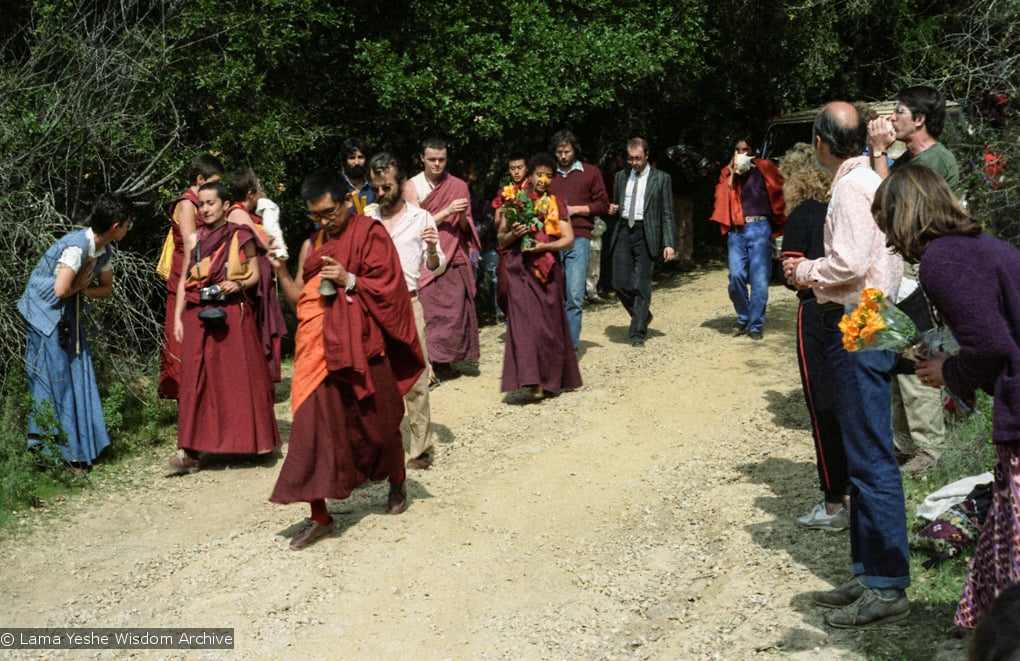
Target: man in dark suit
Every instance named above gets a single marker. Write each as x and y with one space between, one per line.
643 199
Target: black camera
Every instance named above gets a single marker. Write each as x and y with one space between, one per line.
211 294
691 162
65 333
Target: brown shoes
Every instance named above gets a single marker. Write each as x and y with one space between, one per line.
919 462
396 503
313 533
421 462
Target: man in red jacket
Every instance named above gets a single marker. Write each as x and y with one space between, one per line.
749 208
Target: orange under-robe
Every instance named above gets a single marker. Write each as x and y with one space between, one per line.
356 355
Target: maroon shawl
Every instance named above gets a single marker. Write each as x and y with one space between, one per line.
214 245
455 243
377 317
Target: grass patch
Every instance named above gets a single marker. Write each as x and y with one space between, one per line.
31 481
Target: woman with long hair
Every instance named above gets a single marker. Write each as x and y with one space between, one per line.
973 281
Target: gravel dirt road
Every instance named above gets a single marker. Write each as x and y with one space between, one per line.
648 515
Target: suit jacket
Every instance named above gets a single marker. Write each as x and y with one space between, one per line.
658 214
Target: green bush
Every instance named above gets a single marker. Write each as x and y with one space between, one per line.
27 477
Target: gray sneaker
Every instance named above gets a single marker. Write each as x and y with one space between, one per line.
819 519
871 609
844 595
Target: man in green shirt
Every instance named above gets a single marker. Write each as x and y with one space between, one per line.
918 120
918 421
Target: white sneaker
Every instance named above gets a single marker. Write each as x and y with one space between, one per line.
819 519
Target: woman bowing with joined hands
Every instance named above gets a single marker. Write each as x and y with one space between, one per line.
57 358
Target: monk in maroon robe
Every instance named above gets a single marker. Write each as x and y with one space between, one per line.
226 395
356 355
447 300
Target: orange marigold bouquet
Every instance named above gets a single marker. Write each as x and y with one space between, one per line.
877 324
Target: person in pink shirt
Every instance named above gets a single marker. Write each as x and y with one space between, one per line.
856 257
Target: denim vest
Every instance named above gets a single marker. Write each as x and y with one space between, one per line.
39 305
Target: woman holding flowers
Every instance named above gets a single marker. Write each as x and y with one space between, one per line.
973 281
539 353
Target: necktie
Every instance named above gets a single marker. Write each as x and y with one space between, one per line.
633 202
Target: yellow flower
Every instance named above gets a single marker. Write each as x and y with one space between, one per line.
508 192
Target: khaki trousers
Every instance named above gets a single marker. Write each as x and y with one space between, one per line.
918 421
418 414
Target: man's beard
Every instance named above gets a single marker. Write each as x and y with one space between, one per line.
389 200
356 171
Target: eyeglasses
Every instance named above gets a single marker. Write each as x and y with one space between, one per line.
319 216
386 188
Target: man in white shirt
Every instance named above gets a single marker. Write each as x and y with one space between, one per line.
416 238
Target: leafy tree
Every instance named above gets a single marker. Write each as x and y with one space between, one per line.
511 75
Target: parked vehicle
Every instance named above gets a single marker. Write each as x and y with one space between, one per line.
786 130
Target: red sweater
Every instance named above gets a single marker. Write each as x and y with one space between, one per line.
582 188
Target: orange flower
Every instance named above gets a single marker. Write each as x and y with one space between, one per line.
876 324
872 299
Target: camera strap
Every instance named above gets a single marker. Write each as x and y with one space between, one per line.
212 260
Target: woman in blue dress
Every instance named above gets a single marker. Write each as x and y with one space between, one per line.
60 374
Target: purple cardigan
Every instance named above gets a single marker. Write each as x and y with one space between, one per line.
974 283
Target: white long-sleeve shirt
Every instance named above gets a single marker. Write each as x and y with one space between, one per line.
270 214
856 257
411 248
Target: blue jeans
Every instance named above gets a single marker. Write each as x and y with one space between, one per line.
750 261
575 272
878 519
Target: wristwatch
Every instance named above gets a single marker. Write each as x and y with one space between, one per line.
877 154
